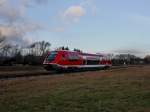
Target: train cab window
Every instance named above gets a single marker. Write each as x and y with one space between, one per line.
52 55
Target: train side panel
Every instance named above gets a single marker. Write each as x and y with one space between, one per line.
58 60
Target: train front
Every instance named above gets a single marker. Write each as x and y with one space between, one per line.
50 62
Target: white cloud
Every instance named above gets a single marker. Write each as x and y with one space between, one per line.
9 13
2 2
27 40
14 23
17 33
74 13
9 31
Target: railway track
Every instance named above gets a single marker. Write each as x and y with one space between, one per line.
35 73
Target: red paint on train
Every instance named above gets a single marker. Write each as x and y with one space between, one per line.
64 59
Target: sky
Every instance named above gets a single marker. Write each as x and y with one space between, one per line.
111 26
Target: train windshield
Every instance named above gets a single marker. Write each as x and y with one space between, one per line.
52 56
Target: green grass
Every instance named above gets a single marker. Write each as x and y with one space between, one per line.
113 91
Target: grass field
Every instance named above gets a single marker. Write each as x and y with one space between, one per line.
120 90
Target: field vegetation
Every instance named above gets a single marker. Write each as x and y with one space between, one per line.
120 90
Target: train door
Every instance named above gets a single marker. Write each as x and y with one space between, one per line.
84 62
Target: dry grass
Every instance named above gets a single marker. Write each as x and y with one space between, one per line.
124 90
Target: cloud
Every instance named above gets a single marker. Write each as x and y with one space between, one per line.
14 23
17 33
9 13
2 2
9 31
74 13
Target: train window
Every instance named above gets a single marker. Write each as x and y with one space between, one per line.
52 56
93 62
73 57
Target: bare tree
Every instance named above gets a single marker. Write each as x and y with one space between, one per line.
44 46
15 49
6 49
2 38
147 59
39 48
34 49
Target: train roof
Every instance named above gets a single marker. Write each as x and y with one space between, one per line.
91 54
82 53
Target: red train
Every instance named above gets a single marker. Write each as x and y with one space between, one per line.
70 60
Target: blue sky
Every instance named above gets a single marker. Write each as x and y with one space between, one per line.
91 25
